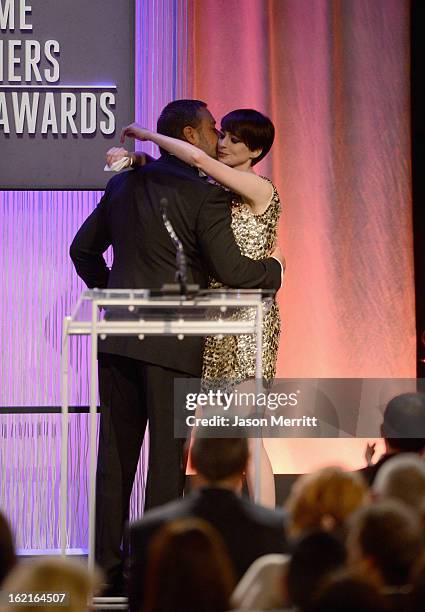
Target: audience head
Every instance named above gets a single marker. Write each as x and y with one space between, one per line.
403 478
348 593
7 549
188 568
384 541
404 419
325 499
315 557
219 460
53 575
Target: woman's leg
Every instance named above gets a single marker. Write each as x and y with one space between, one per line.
267 481
266 476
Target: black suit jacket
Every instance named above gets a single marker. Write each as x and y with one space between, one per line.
369 472
128 217
248 530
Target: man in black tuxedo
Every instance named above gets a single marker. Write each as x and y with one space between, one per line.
248 530
136 378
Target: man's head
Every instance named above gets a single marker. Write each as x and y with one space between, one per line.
404 423
219 460
190 120
385 540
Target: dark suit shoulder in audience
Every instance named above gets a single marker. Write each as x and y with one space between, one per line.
248 530
369 472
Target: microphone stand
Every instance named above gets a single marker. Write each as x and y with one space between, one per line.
181 262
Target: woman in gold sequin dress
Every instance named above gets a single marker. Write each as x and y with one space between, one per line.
245 138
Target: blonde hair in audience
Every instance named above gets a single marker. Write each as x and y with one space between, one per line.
324 499
53 575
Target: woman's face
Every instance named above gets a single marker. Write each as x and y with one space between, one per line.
232 151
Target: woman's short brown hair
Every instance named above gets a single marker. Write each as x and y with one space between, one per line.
251 127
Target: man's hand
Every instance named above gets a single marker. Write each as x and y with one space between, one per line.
136 131
369 452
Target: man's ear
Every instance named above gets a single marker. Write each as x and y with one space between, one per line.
190 134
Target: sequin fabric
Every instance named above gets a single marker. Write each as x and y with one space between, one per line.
233 357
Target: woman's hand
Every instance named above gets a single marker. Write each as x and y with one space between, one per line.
136 131
277 254
116 154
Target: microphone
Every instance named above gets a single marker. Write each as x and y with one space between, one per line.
181 263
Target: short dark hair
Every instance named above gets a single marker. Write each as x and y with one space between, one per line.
219 458
316 555
177 115
404 419
347 592
251 127
407 445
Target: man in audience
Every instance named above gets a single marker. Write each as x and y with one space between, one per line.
248 530
385 540
404 420
403 478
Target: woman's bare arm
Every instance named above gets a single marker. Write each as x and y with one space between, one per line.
255 190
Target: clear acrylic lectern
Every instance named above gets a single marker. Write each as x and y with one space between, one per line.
141 313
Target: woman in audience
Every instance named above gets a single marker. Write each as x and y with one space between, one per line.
7 549
188 569
324 500
274 581
262 585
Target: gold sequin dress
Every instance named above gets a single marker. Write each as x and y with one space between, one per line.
233 357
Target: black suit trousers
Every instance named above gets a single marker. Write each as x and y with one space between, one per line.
133 393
